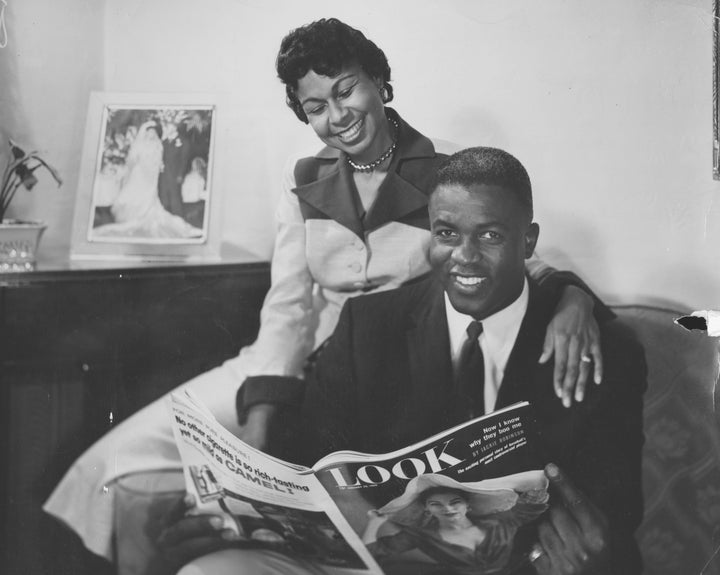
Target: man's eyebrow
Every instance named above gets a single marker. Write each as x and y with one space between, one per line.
492 224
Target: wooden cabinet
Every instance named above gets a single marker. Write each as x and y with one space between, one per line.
80 350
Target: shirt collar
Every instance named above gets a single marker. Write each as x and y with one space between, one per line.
499 329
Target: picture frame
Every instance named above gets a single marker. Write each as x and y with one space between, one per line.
146 188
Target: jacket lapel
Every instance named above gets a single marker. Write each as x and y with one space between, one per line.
521 370
396 198
407 185
334 193
526 380
428 349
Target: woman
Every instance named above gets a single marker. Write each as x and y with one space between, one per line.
352 219
137 210
458 528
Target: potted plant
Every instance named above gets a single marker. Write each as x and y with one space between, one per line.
19 238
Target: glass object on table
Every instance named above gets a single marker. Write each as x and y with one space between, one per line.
141 502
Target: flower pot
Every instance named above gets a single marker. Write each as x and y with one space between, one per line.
19 241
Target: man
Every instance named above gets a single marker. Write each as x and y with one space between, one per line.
396 369
388 376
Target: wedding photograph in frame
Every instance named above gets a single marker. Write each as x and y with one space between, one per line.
146 189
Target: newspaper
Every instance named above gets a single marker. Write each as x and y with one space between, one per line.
462 501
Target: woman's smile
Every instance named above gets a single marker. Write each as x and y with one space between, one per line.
350 134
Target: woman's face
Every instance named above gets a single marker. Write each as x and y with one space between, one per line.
446 506
347 112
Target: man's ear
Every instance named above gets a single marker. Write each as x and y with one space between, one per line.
531 238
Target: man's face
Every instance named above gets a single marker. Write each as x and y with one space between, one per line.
481 237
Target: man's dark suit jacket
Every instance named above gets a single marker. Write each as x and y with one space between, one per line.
384 380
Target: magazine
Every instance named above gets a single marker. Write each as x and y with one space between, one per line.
462 501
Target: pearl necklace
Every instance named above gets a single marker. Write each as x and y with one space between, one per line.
374 164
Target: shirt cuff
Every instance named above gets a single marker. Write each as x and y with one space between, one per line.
273 389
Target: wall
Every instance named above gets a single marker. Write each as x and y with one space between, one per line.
607 104
53 59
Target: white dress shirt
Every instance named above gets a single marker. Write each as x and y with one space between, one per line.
500 331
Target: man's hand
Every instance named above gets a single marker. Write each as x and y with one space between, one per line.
187 537
574 534
573 337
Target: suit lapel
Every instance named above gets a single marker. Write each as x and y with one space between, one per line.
526 380
428 343
522 366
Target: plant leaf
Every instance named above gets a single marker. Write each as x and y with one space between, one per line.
53 172
16 150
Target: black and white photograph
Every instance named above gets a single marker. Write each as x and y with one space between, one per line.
350 228
309 535
152 179
146 188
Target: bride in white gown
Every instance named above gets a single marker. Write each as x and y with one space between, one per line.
137 209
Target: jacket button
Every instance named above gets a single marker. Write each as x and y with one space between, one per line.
356 267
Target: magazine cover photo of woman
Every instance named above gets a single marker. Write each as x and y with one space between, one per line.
440 526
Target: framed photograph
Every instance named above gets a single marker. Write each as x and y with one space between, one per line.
146 189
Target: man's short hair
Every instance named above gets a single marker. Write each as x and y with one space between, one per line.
490 166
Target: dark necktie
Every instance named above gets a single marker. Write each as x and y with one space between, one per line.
470 375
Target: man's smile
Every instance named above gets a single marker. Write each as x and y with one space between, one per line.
468 280
468 283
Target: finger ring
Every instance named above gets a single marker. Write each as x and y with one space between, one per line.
536 552
586 358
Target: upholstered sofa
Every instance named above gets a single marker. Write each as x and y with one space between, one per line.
681 463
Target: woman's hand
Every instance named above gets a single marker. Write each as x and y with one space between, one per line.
573 337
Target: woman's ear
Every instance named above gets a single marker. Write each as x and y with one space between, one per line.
382 89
